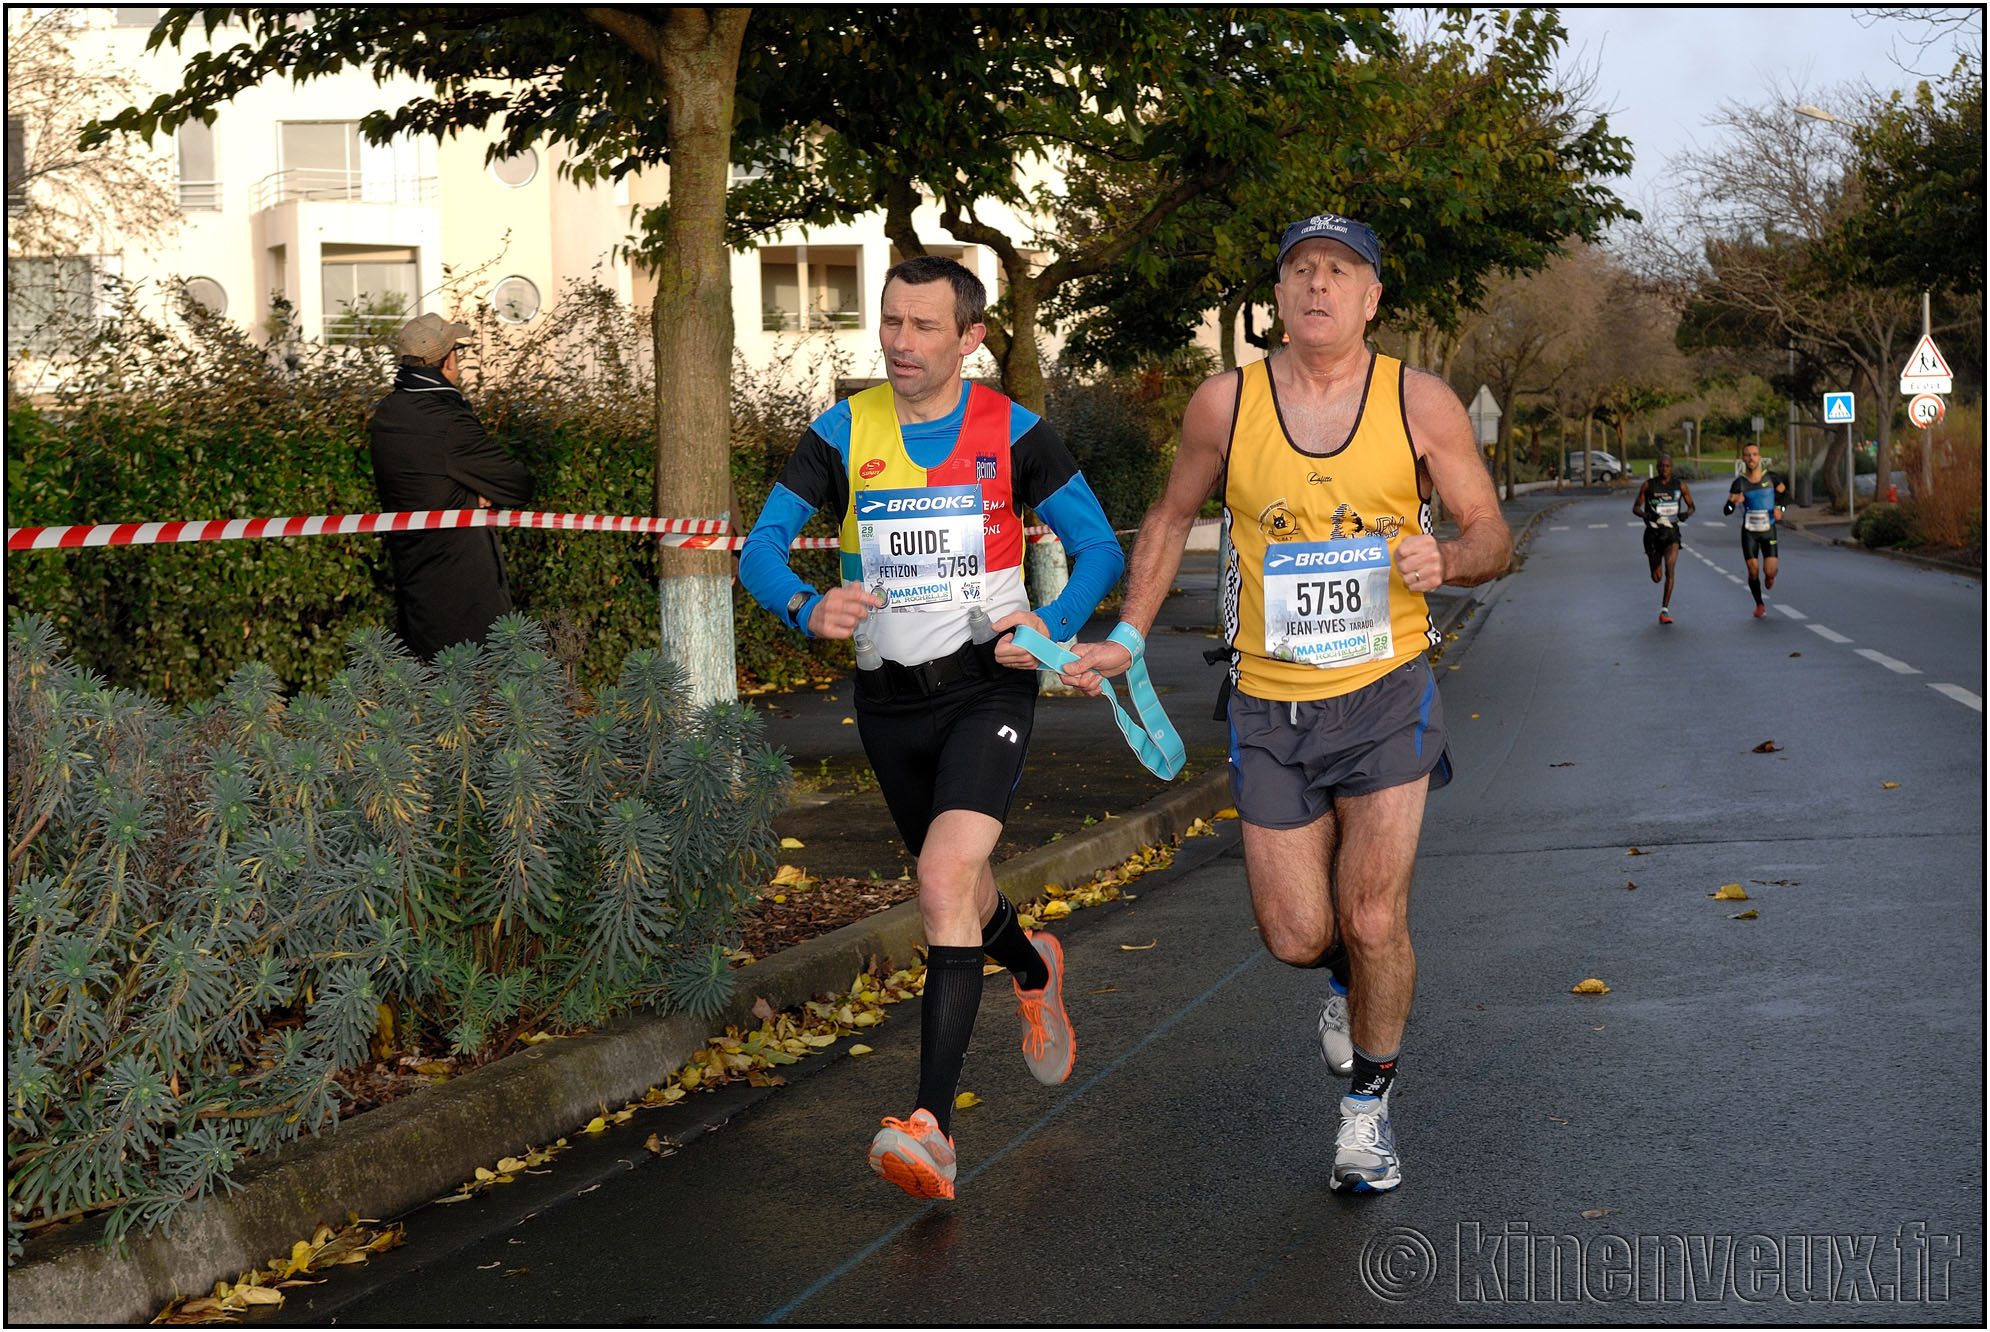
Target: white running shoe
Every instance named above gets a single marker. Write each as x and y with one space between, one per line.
1336 1038
1365 1158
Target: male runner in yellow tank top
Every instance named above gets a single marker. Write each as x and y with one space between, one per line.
1328 455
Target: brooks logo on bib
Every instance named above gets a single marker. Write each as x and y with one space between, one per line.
1326 603
922 547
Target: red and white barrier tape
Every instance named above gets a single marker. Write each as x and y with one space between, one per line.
693 533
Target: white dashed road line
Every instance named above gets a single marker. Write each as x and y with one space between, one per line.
1897 667
1955 692
1959 694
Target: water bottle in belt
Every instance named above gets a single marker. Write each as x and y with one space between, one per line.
979 625
865 640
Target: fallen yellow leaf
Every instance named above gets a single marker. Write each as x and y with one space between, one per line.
1055 910
1730 892
1026 920
1590 986
1635 852
848 721
791 844
595 1125
259 1295
1749 914
856 1050
1225 814
1138 948
966 1101
1889 786
789 876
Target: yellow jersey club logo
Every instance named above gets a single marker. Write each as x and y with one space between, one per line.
1277 522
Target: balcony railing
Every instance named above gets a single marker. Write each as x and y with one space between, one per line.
357 330
312 185
790 321
200 196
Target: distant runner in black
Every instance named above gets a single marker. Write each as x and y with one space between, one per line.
1759 492
1659 503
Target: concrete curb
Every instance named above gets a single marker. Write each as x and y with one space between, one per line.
392 1160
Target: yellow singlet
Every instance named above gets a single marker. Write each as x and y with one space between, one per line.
1312 601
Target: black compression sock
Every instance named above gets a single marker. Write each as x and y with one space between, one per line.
946 1022
1003 939
1372 1076
1335 961
1755 587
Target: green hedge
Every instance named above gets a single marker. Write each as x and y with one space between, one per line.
190 418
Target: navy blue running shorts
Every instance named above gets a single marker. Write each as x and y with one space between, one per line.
1288 761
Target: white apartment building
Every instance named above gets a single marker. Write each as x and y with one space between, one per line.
281 196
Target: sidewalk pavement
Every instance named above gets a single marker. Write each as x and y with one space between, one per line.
394 1159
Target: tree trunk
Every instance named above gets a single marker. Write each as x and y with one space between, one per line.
697 51
1227 338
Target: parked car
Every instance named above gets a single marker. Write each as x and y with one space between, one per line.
1602 466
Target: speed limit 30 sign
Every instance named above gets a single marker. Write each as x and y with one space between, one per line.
1925 410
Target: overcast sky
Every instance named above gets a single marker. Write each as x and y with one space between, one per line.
1662 71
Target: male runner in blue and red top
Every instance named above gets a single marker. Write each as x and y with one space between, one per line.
1759 492
929 475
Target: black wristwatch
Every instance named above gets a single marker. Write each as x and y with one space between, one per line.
795 604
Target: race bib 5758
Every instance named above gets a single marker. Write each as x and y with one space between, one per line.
1326 603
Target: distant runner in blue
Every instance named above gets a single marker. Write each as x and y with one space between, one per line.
1759 492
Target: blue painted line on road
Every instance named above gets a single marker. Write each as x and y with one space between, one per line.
858 1258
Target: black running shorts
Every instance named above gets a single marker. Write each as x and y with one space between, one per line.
961 748
1288 761
1656 540
1758 545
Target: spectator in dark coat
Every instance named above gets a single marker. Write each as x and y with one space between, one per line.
430 452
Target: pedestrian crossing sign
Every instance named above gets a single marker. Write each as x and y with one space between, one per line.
1837 409
1925 371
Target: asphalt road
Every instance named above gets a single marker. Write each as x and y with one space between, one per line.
1769 1120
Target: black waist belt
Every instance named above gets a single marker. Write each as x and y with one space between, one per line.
970 661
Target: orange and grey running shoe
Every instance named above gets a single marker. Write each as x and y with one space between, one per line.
1049 1047
913 1154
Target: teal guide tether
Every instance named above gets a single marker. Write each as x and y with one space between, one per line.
1153 736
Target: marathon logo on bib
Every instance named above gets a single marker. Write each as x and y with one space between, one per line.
1326 603
922 547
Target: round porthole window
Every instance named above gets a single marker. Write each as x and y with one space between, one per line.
516 170
515 299
207 293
